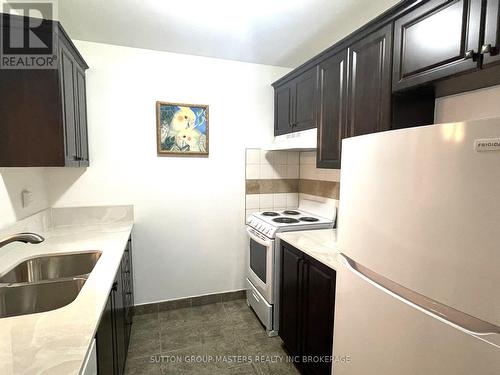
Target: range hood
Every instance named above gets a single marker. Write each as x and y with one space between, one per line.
305 140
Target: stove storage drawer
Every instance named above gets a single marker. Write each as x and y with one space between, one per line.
259 304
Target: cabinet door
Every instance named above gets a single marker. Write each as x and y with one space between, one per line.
304 100
332 109
369 108
81 103
128 296
283 110
105 340
491 45
318 312
436 40
291 274
119 317
68 90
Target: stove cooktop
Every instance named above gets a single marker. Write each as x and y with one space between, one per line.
285 220
290 218
309 219
270 213
271 222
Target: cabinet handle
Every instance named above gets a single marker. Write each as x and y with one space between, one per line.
486 48
470 54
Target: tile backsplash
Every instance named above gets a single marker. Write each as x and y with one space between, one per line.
318 182
277 180
263 165
308 170
272 180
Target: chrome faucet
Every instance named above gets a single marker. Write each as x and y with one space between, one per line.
22 237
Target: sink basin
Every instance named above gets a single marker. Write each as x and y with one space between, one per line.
40 297
52 267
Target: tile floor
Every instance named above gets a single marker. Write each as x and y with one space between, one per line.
166 342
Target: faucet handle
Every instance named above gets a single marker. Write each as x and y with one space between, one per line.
26 237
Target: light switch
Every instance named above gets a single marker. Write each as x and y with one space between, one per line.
27 198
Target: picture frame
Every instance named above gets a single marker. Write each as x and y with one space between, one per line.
182 129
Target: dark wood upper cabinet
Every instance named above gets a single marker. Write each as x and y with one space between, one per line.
304 100
438 39
295 103
491 46
283 110
332 110
43 112
394 69
69 107
369 107
81 99
307 293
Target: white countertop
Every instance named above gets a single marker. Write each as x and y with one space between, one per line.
319 244
56 342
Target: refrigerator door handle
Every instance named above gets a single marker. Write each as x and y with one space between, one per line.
442 312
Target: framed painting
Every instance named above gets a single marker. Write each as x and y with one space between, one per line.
182 129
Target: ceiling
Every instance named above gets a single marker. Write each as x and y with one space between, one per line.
273 32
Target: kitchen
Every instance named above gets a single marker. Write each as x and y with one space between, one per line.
169 271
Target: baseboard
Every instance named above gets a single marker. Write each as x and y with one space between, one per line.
207 299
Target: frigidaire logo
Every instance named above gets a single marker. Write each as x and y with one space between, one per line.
28 36
492 144
489 144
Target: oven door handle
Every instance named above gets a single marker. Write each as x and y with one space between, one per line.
258 239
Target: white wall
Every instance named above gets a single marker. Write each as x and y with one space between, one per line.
189 237
12 182
469 106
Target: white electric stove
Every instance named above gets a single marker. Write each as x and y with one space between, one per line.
265 254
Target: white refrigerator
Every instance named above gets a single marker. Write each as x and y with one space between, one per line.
419 230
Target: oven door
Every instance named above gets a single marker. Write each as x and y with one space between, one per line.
260 265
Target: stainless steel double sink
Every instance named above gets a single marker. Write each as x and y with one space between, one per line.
45 283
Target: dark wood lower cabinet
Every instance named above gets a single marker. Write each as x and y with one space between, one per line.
105 341
291 272
317 315
307 306
113 334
